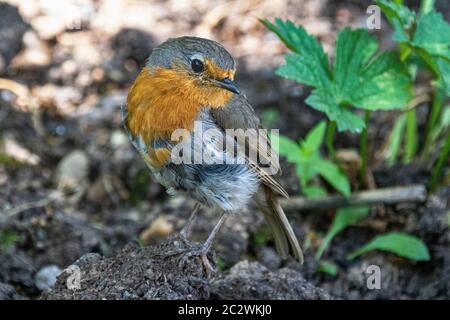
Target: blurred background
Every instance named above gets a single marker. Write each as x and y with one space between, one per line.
70 182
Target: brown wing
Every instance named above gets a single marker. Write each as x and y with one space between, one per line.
239 114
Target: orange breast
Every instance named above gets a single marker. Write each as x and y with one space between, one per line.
164 100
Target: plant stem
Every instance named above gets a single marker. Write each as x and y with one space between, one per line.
395 139
433 118
363 149
329 138
426 6
411 136
436 173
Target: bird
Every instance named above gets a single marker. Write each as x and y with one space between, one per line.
188 83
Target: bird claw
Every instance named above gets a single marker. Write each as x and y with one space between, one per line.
202 254
181 237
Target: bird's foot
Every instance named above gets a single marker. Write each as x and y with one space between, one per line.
199 252
182 238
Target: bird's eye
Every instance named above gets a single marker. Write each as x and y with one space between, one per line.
197 66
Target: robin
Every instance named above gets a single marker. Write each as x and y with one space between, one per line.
189 81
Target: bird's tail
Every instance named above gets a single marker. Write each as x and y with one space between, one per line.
286 242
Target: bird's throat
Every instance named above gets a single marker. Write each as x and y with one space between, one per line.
164 100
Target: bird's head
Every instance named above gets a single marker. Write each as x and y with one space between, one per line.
181 76
201 66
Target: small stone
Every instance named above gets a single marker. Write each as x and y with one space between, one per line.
46 277
118 139
72 170
159 228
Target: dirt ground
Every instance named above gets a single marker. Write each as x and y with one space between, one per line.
71 184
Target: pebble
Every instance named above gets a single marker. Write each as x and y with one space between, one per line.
46 277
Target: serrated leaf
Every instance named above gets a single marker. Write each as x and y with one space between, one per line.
357 78
400 244
383 85
400 16
365 82
304 68
398 11
344 118
354 48
344 217
298 40
433 34
333 175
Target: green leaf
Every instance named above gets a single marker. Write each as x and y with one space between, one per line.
328 267
269 117
404 245
305 172
431 40
305 69
314 192
344 118
344 217
262 235
314 138
358 78
314 61
427 35
333 175
8 238
433 34
354 48
364 82
288 148
383 85
400 17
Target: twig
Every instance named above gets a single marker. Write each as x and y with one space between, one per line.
53 196
413 193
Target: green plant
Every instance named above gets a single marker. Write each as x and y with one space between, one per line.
309 163
344 217
328 267
401 244
363 78
269 117
8 238
358 78
220 264
424 44
262 235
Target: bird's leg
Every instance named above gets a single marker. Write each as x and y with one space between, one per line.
206 246
209 241
186 231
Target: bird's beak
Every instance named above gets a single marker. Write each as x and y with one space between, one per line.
228 84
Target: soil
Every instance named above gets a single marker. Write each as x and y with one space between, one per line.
87 198
165 272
